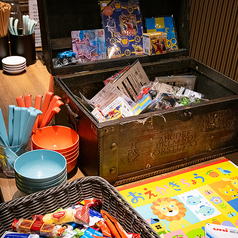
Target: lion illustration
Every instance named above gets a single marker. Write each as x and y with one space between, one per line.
229 192
171 210
234 181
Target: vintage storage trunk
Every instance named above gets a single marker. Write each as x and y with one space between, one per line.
136 147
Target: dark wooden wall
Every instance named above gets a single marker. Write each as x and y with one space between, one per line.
24 6
213 34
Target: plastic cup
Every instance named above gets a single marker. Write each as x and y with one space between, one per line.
9 155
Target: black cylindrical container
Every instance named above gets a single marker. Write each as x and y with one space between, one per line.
24 45
4 48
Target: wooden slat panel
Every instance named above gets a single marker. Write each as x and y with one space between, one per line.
225 38
232 28
204 46
213 34
209 36
220 30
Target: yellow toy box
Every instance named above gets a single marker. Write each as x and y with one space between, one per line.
155 43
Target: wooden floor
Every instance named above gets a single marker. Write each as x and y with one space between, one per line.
35 80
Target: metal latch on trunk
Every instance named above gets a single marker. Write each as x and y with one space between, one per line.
184 115
73 118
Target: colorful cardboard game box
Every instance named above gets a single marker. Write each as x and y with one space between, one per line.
123 27
182 203
89 45
163 24
155 43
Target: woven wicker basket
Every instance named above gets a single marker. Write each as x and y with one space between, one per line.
69 194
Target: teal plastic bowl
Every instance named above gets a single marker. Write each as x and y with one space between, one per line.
40 165
29 183
29 190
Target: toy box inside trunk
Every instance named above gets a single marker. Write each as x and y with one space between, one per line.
126 149
136 147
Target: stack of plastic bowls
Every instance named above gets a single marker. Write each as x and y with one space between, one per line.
39 170
61 139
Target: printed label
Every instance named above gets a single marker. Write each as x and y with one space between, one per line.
58 215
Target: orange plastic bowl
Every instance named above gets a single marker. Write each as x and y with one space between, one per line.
57 138
69 159
69 152
66 152
72 156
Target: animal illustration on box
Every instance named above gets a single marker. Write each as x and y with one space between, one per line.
229 191
181 205
171 210
234 181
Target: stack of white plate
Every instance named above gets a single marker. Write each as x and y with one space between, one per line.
14 64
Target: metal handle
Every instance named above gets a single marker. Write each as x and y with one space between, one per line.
73 118
184 115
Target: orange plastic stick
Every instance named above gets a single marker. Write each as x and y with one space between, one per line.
20 101
27 98
45 105
47 115
46 121
38 100
115 228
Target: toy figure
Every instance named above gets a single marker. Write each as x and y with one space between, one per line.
128 26
67 57
158 47
111 25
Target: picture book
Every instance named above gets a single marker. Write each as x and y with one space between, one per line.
180 204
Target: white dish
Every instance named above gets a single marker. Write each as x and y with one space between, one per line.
14 60
14 68
14 72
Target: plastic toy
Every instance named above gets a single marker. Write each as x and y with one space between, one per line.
67 57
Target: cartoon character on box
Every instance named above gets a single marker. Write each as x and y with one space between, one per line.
114 52
128 25
111 25
123 27
158 45
137 48
89 45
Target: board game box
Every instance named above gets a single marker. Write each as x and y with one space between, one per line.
155 43
180 204
123 27
89 45
163 24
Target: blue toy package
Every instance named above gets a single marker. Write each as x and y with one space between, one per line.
123 27
89 45
9 234
163 24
